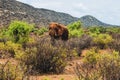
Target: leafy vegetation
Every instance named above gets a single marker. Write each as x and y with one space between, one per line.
19 31
36 55
96 66
75 29
41 31
10 49
9 71
102 40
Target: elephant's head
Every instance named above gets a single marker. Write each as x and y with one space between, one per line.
58 31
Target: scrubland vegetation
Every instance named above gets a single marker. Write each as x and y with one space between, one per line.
34 53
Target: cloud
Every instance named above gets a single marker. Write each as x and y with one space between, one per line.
72 8
80 6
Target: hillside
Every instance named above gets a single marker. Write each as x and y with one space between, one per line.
13 10
89 20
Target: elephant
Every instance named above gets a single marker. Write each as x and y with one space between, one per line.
58 31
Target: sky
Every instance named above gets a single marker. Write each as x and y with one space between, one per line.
107 11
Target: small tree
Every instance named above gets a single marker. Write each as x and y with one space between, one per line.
94 29
103 40
41 31
19 31
75 29
75 25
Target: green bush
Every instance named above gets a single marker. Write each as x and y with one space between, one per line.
75 25
95 30
102 40
41 31
4 35
76 33
9 71
91 56
97 66
113 30
100 29
19 31
75 29
10 49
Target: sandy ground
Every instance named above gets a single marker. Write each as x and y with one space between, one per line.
55 77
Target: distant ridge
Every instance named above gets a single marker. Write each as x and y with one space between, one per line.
89 20
14 10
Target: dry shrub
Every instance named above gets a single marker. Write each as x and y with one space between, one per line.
85 71
80 44
97 66
116 43
75 45
44 57
9 71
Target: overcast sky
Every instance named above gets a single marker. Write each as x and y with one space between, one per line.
107 11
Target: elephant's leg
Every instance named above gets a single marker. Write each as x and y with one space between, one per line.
52 41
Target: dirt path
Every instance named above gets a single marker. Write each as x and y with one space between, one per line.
55 77
11 60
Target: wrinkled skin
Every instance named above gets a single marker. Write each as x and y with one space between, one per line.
58 31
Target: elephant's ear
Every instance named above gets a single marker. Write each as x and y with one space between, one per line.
60 29
59 26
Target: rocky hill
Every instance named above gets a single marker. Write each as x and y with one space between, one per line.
13 10
89 20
